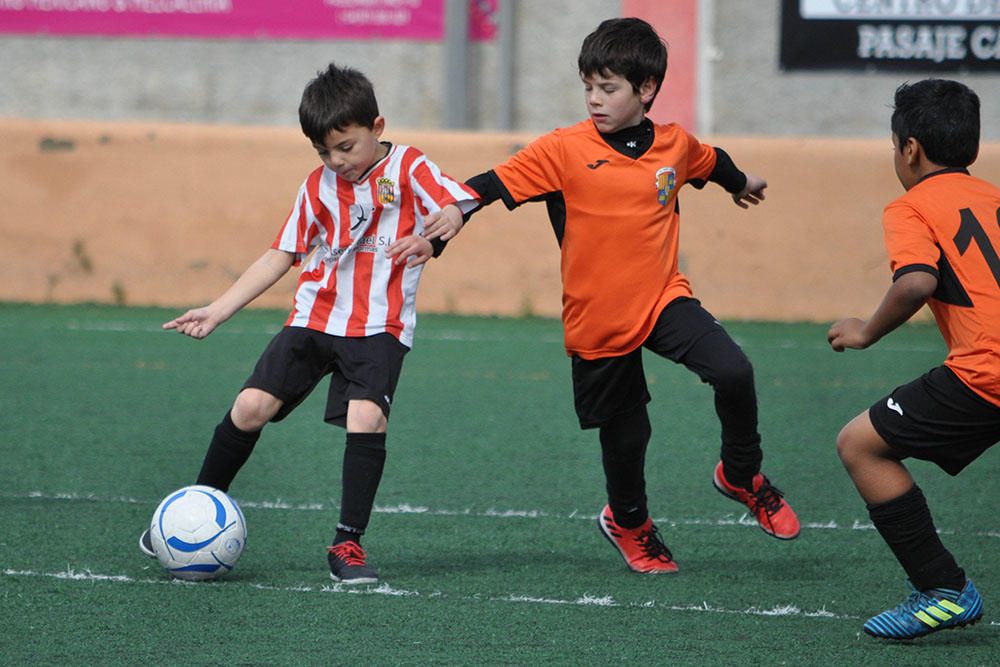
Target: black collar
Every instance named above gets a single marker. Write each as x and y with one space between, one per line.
632 141
946 170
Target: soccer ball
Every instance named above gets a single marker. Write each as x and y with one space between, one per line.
198 533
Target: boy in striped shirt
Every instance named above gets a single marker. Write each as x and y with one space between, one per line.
354 311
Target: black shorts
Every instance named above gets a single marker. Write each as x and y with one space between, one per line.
295 360
606 387
937 418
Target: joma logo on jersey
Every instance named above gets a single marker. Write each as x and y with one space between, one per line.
385 190
666 181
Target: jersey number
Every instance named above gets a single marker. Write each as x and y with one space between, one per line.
970 230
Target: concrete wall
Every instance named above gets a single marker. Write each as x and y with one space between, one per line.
259 82
161 214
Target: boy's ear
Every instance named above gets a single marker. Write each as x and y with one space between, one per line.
378 126
912 151
647 91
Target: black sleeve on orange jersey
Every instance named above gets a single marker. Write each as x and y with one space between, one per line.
490 188
949 290
725 173
910 268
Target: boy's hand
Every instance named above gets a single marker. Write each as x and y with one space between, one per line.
414 250
197 323
849 333
752 192
443 224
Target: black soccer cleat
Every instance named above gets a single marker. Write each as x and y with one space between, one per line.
348 564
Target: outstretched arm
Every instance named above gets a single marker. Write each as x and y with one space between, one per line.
906 296
746 189
752 192
267 270
444 224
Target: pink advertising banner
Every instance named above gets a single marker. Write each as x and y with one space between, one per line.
242 19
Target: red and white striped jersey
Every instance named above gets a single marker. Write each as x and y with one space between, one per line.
348 286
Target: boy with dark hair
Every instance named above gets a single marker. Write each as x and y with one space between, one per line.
951 415
610 184
354 311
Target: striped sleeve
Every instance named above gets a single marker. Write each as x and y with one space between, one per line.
300 228
434 189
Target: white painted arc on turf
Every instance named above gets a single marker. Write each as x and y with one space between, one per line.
586 600
464 337
726 520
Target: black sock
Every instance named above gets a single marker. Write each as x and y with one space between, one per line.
364 459
719 361
906 525
229 450
344 534
623 453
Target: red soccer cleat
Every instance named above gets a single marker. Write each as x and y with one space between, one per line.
774 516
641 547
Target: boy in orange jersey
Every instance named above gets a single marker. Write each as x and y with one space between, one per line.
942 238
610 184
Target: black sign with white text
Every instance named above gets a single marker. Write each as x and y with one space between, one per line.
890 34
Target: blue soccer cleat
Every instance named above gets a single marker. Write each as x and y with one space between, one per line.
923 613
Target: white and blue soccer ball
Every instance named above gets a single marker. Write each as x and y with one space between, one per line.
198 533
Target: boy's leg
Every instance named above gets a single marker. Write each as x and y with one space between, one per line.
686 333
235 436
610 394
624 439
720 362
364 461
941 597
359 399
285 374
897 507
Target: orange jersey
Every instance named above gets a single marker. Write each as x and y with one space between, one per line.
619 245
949 224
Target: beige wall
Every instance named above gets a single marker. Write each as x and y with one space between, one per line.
154 214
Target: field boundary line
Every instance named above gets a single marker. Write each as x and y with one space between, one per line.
725 520
585 600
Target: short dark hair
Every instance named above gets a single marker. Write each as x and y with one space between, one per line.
335 99
943 116
628 47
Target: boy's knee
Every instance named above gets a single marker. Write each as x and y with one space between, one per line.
845 444
736 375
254 408
364 416
855 444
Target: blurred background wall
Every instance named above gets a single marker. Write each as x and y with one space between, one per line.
730 46
150 169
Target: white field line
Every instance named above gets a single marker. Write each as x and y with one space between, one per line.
730 519
465 337
586 600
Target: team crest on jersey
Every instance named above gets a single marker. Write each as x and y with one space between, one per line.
666 181
385 190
